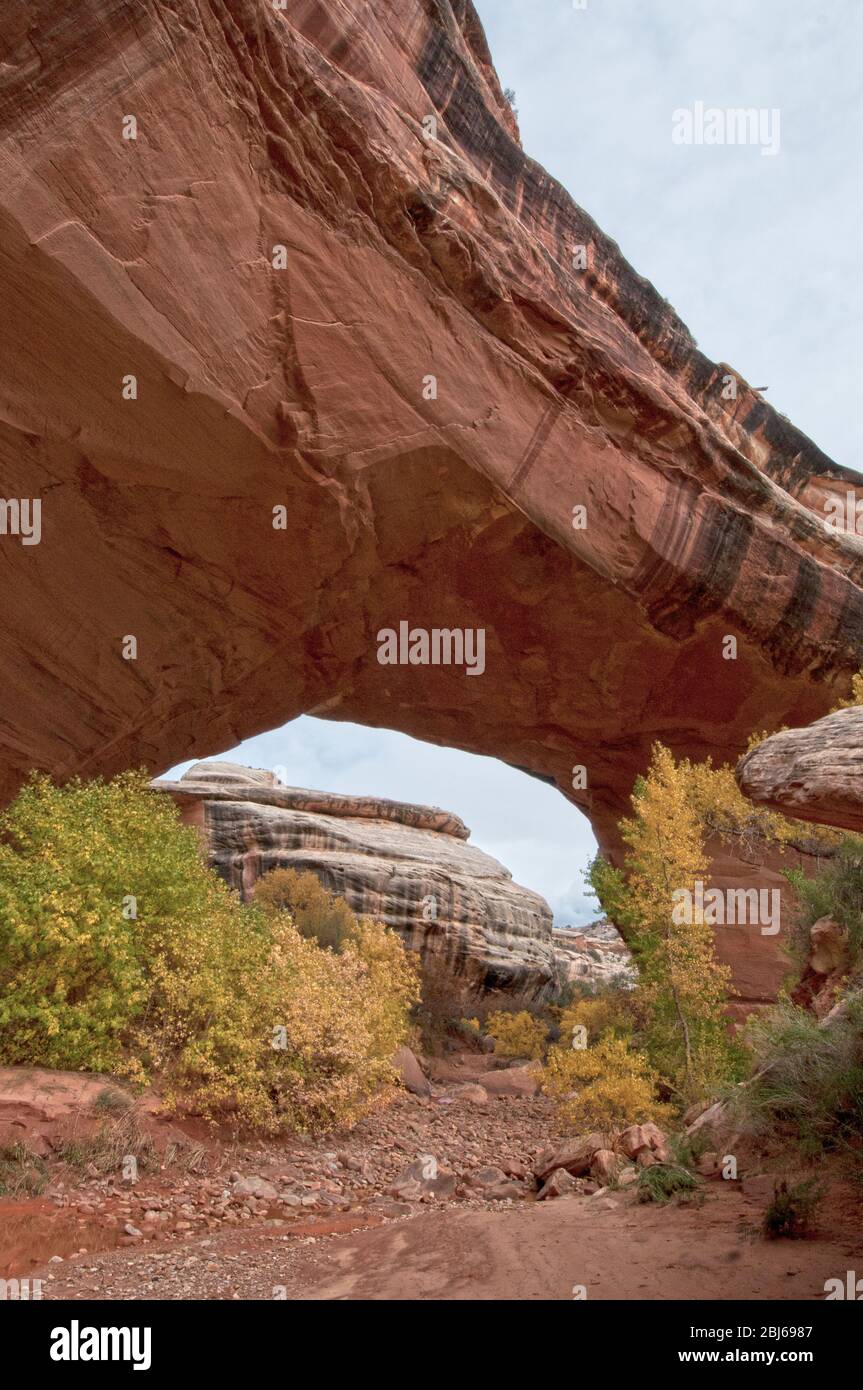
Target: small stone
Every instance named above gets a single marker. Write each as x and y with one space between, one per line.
255 1187
504 1192
513 1168
485 1177
471 1092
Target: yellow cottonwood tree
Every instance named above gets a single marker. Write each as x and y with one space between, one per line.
684 985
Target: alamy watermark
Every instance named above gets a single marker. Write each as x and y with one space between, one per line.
850 1288
728 907
437 646
20 1290
844 513
77 1343
21 516
717 125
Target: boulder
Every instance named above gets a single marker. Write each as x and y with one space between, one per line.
515 1081
632 1141
423 1178
470 1092
413 1078
559 1184
406 865
504 1192
514 1168
605 1166
492 1183
828 946
574 1157
813 773
485 1177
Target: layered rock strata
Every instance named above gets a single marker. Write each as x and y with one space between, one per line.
814 774
407 866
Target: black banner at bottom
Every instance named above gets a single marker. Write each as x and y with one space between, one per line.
152 1338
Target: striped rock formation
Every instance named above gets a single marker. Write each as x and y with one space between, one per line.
814 774
299 344
408 866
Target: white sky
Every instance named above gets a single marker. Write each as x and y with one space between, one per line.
759 256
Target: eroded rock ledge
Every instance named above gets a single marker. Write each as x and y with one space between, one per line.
408 866
813 774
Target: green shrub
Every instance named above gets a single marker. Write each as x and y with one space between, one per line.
120 951
664 1182
791 1209
837 892
808 1082
21 1172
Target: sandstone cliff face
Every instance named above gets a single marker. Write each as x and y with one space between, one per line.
758 960
408 866
324 208
814 774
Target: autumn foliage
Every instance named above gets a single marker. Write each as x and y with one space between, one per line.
517 1034
607 1085
120 951
682 987
316 913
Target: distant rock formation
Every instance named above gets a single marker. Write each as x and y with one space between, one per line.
408 866
595 955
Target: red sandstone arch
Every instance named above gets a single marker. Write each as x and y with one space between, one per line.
256 388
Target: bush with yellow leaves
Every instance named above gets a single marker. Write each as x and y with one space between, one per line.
856 694
341 1017
120 951
603 1087
614 1011
683 986
517 1034
315 912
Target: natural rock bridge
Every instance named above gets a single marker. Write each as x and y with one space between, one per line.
305 350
